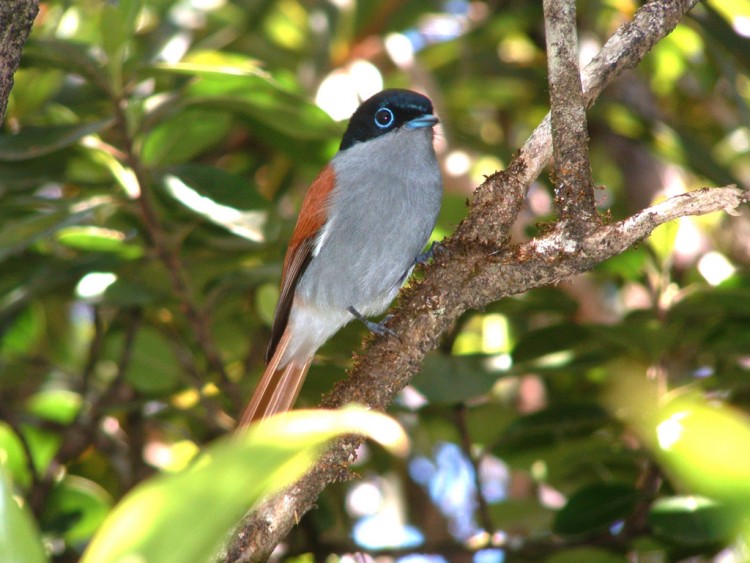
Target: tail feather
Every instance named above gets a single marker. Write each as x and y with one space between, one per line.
278 387
288 388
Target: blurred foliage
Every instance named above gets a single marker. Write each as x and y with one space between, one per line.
152 160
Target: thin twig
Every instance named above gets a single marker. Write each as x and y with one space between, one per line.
198 321
94 351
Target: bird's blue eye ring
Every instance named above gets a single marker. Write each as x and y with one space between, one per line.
384 118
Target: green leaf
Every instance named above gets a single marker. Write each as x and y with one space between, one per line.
67 55
184 517
557 339
14 459
97 239
32 89
23 334
19 234
153 367
43 446
185 135
57 405
629 265
693 521
20 541
118 22
595 508
126 293
449 379
540 300
32 142
554 424
234 83
729 302
75 509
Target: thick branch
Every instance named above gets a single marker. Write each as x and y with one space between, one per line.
574 190
473 271
16 17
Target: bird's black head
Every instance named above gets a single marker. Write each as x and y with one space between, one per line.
386 111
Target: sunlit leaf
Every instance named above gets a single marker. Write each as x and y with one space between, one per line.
687 431
97 239
704 446
197 507
57 405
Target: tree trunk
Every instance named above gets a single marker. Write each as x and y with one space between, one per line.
16 17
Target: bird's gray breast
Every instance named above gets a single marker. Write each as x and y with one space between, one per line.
385 205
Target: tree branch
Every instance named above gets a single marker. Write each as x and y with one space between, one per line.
473 269
574 190
16 18
498 200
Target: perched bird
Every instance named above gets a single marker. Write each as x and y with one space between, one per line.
363 222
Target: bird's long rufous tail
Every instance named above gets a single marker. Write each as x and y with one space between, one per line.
278 388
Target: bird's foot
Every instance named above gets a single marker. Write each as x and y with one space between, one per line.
428 254
378 328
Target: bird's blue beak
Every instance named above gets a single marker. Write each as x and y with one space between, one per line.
426 120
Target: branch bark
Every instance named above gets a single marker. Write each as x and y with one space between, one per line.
16 18
475 268
574 190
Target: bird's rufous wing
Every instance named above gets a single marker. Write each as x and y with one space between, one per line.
312 217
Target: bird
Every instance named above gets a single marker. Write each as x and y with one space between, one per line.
362 226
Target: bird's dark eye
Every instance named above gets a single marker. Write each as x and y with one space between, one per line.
383 118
